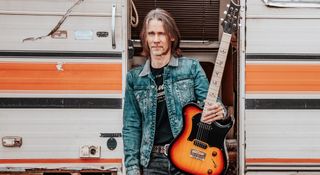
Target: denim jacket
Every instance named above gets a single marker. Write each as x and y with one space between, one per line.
184 81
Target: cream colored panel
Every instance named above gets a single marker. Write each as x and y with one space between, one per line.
81 33
283 36
86 7
282 134
59 133
257 9
89 27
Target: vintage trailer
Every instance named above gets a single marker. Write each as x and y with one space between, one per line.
279 87
62 74
62 68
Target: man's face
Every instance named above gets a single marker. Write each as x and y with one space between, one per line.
158 40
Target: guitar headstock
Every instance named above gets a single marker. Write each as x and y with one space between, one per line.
230 22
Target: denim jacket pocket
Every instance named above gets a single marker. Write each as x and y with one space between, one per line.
142 96
184 90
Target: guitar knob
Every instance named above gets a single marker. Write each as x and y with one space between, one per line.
209 171
214 153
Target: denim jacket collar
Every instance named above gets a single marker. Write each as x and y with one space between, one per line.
146 69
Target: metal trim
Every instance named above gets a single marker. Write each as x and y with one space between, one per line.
302 104
60 54
66 103
282 56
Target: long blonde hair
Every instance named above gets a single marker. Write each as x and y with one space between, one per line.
169 26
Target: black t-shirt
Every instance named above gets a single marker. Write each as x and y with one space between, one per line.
163 133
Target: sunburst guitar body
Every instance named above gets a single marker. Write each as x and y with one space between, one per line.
200 147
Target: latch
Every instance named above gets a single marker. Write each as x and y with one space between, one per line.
130 49
90 151
11 141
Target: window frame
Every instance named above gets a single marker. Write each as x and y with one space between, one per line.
293 3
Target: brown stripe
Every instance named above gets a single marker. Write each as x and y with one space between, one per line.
281 160
74 76
20 161
270 77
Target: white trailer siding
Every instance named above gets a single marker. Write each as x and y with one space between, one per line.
51 133
281 30
37 18
54 136
276 134
281 91
272 36
63 93
81 36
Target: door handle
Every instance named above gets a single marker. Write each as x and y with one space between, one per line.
113 26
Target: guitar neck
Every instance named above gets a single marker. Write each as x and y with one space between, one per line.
215 82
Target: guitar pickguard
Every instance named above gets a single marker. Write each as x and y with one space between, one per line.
215 135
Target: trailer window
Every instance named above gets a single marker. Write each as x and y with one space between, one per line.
196 19
293 3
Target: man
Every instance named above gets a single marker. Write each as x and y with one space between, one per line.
155 95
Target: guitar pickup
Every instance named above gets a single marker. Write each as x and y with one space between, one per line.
200 144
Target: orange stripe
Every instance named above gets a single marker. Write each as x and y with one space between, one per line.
281 160
45 76
20 161
270 77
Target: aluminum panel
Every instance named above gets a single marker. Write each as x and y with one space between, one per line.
258 9
87 29
282 36
49 134
282 134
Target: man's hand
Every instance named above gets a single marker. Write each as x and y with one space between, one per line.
214 112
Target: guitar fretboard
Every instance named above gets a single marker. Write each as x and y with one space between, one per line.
215 82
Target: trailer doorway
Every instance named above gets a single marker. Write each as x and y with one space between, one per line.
199 24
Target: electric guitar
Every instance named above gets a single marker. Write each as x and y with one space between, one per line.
200 147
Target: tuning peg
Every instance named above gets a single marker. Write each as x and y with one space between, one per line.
221 19
225 12
239 25
228 5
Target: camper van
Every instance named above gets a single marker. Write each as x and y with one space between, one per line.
63 68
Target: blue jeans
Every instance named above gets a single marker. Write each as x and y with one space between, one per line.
160 164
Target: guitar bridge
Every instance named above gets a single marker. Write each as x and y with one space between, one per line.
196 154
